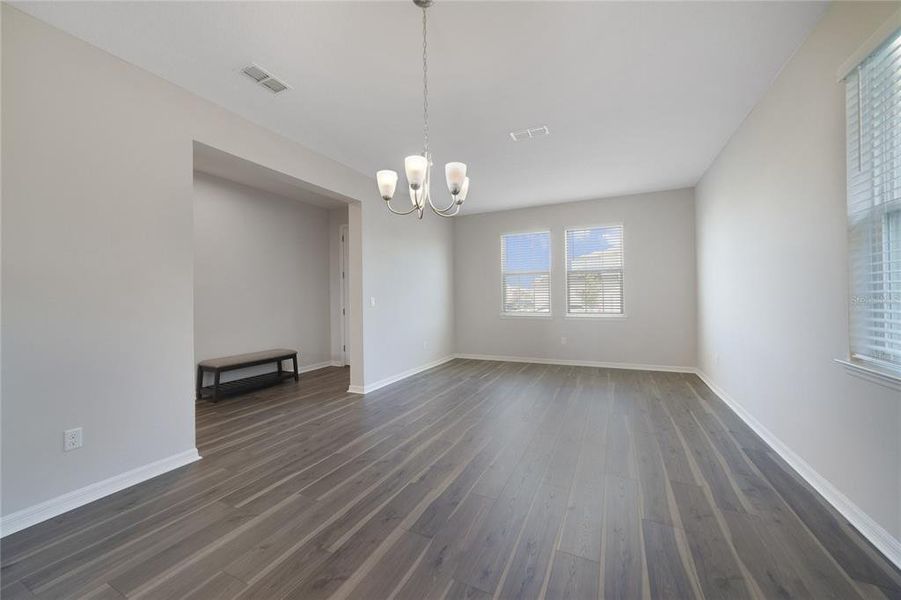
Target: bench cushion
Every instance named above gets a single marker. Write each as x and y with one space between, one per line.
239 359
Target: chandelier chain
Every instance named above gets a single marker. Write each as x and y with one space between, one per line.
425 84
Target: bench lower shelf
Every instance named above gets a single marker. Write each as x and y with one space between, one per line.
246 384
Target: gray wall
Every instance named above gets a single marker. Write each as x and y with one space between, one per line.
97 273
659 327
261 274
408 268
773 283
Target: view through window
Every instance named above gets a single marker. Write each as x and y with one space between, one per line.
594 270
526 273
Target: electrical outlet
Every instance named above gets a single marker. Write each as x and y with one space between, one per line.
372 301
563 341
72 439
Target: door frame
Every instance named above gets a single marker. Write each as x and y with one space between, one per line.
345 304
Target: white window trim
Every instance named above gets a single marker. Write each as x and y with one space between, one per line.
876 39
550 274
578 316
602 316
871 371
525 315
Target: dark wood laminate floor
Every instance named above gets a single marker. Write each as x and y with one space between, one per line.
472 480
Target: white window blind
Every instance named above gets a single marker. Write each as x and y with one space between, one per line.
526 273
873 101
594 270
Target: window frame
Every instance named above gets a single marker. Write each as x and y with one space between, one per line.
886 283
599 315
550 250
860 364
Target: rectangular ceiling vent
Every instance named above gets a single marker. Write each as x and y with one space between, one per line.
265 79
530 133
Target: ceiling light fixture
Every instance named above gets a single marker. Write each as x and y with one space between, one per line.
418 167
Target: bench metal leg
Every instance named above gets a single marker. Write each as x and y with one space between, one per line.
199 381
216 386
296 376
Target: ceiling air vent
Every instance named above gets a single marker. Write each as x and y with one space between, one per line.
265 78
530 133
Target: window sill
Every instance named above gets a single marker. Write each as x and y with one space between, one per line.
872 373
600 316
543 316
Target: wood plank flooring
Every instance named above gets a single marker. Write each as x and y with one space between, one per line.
473 480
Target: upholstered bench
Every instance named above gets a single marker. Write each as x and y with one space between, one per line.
217 366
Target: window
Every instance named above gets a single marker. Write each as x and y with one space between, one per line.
526 273
594 271
874 205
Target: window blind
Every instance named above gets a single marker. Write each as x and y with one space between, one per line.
526 273
873 101
594 270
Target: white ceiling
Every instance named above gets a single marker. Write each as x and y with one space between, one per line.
638 96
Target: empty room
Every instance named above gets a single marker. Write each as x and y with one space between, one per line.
643 342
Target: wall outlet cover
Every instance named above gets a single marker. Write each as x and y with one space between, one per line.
72 439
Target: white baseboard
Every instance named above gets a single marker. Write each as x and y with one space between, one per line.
365 389
32 515
870 529
317 366
579 363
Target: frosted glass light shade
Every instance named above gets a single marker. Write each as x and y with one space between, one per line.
416 167
455 172
464 189
387 181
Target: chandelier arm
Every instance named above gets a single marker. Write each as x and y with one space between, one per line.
456 203
442 210
454 208
447 215
397 212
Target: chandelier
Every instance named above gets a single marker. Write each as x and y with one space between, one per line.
418 167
